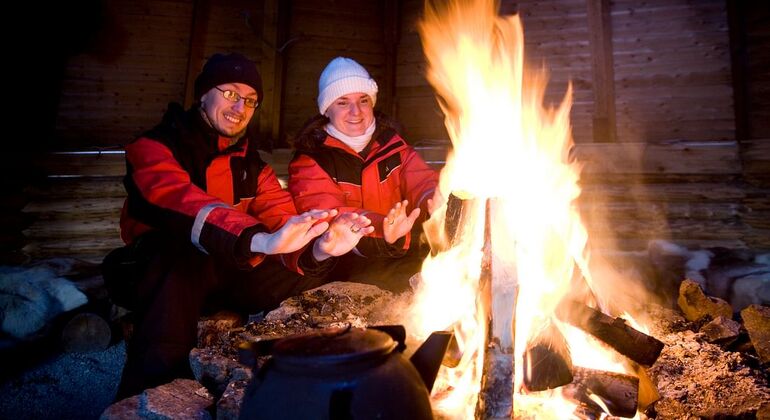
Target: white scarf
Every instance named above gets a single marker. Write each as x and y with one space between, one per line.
356 143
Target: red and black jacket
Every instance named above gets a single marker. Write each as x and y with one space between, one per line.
185 180
326 173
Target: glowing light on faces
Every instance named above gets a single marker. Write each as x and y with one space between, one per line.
352 114
229 118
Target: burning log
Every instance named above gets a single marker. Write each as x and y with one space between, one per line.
456 216
496 394
635 345
648 392
615 392
547 361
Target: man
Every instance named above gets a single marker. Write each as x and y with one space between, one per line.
203 217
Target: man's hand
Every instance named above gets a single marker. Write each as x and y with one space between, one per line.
397 224
343 235
296 233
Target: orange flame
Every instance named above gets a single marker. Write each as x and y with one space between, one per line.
511 151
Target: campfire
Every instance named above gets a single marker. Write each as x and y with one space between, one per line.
509 271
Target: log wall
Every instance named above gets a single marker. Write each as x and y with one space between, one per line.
670 106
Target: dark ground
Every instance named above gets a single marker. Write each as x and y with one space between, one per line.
35 385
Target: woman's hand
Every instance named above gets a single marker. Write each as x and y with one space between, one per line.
397 224
342 236
436 201
296 233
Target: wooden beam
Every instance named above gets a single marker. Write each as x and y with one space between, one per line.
680 157
600 31
739 67
390 26
198 32
277 14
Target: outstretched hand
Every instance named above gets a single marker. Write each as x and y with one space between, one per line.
342 236
436 201
397 224
296 233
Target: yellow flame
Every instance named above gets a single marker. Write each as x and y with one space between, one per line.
512 152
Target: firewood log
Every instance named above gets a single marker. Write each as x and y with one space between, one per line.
617 392
635 345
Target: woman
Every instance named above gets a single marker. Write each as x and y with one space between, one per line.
352 158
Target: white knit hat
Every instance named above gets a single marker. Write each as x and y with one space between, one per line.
341 77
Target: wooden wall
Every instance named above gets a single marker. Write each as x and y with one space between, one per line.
159 46
670 105
319 32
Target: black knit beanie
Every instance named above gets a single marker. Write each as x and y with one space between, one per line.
230 68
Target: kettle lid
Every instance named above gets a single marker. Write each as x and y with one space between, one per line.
331 346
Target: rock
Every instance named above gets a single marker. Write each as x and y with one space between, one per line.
126 409
696 305
31 297
756 319
214 370
339 303
721 330
180 399
229 405
210 328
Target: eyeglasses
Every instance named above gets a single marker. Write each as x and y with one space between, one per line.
234 96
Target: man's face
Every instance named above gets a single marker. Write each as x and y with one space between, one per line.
352 114
229 116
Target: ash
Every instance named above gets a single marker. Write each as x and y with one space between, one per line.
697 379
335 304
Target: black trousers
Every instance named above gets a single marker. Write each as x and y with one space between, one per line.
391 274
180 285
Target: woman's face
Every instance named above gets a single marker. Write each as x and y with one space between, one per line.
352 114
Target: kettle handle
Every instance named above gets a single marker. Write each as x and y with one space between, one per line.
396 332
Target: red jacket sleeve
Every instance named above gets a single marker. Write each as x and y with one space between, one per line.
162 196
418 182
313 188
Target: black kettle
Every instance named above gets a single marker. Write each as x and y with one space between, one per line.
343 373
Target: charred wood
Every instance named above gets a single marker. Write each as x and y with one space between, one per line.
635 345
617 392
496 396
547 361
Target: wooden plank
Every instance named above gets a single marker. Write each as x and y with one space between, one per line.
81 187
386 98
75 230
87 249
75 208
673 158
197 40
83 163
695 191
755 155
600 25
275 26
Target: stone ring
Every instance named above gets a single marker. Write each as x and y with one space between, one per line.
352 229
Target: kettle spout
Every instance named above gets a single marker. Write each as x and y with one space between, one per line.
427 359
